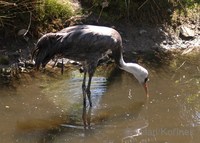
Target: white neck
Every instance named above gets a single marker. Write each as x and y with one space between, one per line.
138 71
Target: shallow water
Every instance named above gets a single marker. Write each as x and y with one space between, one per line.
49 110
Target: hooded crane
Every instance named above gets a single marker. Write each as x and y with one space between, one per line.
87 44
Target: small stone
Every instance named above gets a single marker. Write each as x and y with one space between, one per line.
7 107
170 43
165 42
21 64
105 4
21 32
142 31
186 32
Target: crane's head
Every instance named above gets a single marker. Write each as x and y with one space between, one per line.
140 73
143 78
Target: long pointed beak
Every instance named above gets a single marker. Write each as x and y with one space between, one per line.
146 89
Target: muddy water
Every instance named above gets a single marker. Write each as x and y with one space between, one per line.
49 110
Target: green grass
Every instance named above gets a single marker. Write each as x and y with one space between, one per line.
52 9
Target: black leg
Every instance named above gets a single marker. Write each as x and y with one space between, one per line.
91 69
88 89
84 89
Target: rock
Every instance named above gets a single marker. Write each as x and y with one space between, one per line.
22 32
142 31
105 4
186 33
22 70
6 71
164 42
169 11
74 62
21 64
5 75
29 64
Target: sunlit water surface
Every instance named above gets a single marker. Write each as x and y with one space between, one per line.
50 111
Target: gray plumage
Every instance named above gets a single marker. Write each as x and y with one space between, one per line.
84 43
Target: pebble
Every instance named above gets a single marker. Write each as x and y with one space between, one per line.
7 107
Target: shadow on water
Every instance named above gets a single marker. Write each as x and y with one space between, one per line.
50 111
